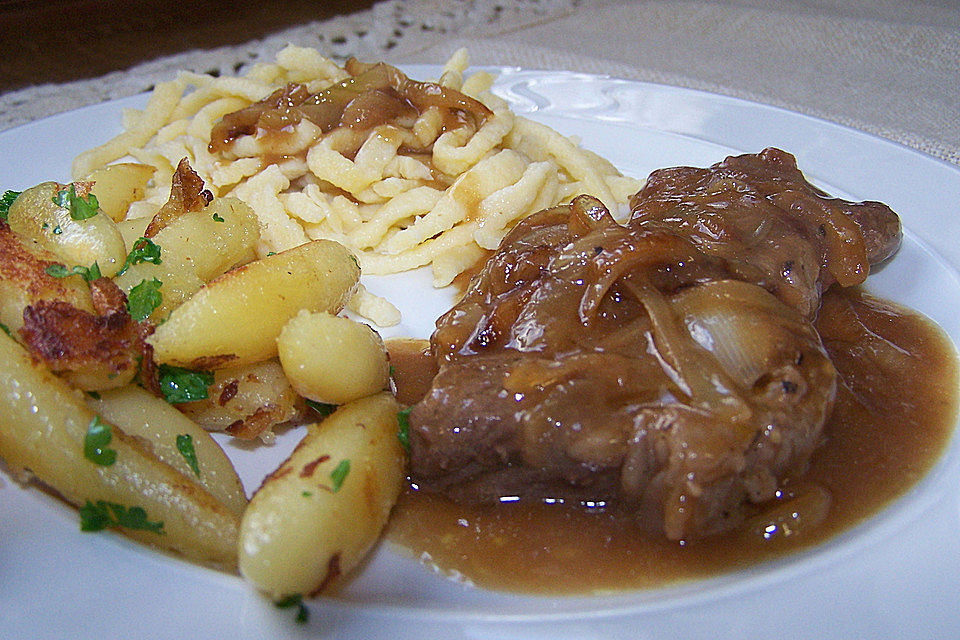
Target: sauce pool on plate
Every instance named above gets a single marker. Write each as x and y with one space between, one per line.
895 411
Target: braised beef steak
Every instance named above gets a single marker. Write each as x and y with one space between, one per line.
669 364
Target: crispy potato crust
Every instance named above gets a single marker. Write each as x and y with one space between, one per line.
66 338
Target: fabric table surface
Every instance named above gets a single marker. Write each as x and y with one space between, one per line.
886 67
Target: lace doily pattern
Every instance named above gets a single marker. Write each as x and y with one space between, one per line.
388 29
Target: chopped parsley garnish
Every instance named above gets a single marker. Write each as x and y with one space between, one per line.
322 408
5 201
91 273
96 441
355 261
217 218
295 600
144 250
144 298
403 433
93 394
96 516
5 329
178 384
339 474
306 494
185 447
79 208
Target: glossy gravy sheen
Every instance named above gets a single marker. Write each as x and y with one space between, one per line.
895 411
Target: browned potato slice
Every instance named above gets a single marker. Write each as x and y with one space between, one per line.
35 215
117 185
317 516
236 318
142 415
332 359
44 426
246 401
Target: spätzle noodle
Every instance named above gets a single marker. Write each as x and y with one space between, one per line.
434 187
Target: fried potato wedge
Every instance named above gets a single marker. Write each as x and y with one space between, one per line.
196 247
332 359
24 279
75 240
44 427
235 319
142 415
318 515
246 401
117 185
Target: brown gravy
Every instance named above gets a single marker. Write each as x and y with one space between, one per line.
896 409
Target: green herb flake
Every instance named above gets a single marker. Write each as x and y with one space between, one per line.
57 270
96 441
91 273
144 250
79 208
185 447
96 516
5 329
217 218
295 600
5 201
322 408
339 474
144 298
403 433
179 385
306 494
93 394
355 261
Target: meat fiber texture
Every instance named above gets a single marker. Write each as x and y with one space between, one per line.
669 366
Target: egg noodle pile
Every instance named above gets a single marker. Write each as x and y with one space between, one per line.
392 204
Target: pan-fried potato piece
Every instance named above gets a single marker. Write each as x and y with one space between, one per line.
141 414
43 426
117 185
236 318
196 247
246 401
321 511
91 351
177 283
332 359
24 280
35 215
219 237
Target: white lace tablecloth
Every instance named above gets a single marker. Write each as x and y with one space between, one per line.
883 66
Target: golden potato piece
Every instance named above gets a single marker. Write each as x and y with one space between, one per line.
332 359
75 240
117 185
44 429
246 401
196 247
317 516
236 318
143 415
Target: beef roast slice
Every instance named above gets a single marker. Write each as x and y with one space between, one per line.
597 363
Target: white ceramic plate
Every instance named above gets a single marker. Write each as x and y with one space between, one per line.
894 576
